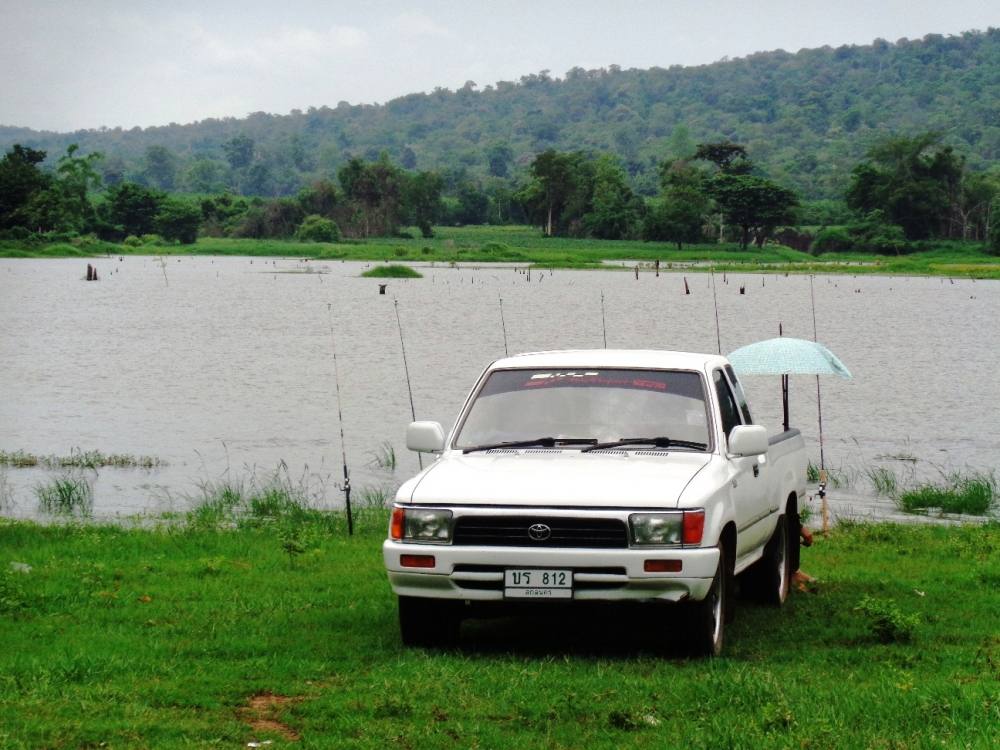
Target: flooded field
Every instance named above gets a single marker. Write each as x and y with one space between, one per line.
223 367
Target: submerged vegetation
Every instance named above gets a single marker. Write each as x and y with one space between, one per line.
282 628
974 493
79 459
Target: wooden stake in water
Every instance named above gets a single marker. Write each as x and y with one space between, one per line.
340 419
406 369
604 327
503 325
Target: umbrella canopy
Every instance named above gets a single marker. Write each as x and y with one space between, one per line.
787 356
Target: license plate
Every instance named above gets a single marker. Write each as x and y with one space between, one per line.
537 583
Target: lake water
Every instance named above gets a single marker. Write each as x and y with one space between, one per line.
224 366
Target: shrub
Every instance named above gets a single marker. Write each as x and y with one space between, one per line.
886 621
832 239
132 241
316 228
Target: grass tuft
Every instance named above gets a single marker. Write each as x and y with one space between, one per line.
883 481
67 495
971 495
392 271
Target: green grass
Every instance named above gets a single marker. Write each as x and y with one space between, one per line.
392 271
520 244
183 635
973 495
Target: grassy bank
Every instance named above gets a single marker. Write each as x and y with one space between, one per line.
518 244
201 634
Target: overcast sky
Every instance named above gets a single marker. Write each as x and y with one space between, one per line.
87 63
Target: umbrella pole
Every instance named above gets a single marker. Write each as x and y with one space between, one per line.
784 399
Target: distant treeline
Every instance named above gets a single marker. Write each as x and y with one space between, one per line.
906 191
808 116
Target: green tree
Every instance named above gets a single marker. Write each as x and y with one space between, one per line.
20 178
615 211
754 204
554 179
239 151
498 157
680 215
205 176
178 219
160 167
130 208
916 181
729 157
423 200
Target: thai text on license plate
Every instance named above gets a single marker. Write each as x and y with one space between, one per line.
537 583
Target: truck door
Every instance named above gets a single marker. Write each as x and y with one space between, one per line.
747 484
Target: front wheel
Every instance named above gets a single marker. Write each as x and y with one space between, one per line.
428 623
708 617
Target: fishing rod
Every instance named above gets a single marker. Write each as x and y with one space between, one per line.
715 301
340 418
503 324
406 369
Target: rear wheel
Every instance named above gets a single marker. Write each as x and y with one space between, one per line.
708 617
772 575
428 623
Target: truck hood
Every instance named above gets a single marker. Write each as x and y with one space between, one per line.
557 478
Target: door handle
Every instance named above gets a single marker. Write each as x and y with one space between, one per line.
756 470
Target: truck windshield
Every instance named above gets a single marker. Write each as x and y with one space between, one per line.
587 404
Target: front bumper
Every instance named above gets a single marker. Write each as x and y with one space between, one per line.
476 573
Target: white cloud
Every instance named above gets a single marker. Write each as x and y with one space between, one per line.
418 24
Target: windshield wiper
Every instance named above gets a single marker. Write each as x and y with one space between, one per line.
542 442
656 442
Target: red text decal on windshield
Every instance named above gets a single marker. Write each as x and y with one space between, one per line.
573 378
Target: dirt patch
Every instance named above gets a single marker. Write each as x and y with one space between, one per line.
261 713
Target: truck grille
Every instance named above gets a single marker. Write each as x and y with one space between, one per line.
512 531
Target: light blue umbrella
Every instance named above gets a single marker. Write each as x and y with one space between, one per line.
787 356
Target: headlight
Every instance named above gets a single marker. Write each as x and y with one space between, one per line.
428 525
656 528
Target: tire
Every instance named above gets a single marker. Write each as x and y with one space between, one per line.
708 617
772 575
428 623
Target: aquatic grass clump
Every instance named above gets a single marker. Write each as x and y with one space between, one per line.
883 481
972 495
66 495
79 459
392 271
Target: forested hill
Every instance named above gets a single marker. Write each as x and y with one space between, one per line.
806 119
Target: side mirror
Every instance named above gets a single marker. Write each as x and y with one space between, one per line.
425 437
748 440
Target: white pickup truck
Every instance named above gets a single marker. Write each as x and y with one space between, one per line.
596 475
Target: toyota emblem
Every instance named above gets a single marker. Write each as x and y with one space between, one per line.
539 532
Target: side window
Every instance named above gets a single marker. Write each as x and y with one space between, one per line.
727 404
741 398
